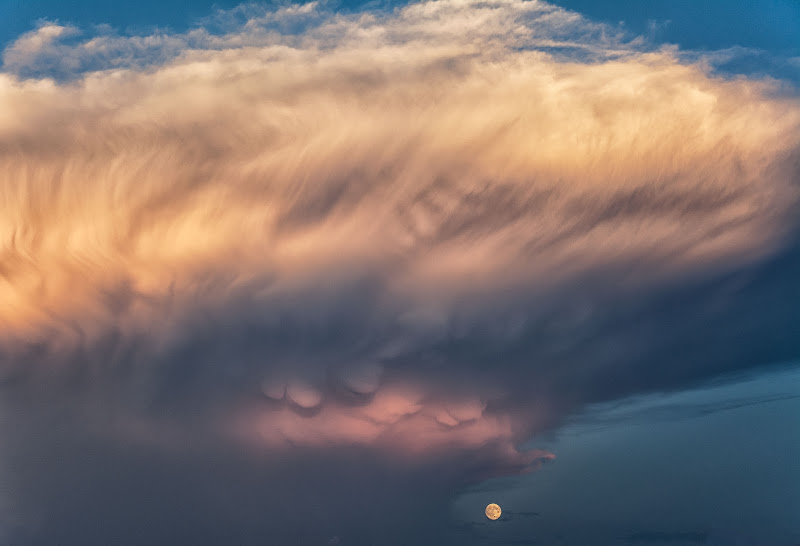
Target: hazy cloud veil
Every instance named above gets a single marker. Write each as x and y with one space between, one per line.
289 250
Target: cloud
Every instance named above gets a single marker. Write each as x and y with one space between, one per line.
33 43
308 26
416 237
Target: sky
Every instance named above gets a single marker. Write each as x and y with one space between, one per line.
346 273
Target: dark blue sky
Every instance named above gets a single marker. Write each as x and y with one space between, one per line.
705 24
771 26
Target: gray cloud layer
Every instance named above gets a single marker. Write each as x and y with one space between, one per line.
265 269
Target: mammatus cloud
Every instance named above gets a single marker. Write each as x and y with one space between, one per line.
425 234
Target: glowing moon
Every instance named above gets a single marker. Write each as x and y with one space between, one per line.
493 511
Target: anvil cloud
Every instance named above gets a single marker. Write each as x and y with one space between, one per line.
428 233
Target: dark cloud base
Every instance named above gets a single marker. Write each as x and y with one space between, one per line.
74 483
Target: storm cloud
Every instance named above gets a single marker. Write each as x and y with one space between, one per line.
292 253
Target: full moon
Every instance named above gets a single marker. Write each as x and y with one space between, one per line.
493 511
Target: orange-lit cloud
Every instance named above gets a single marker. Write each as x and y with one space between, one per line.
394 144
318 221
